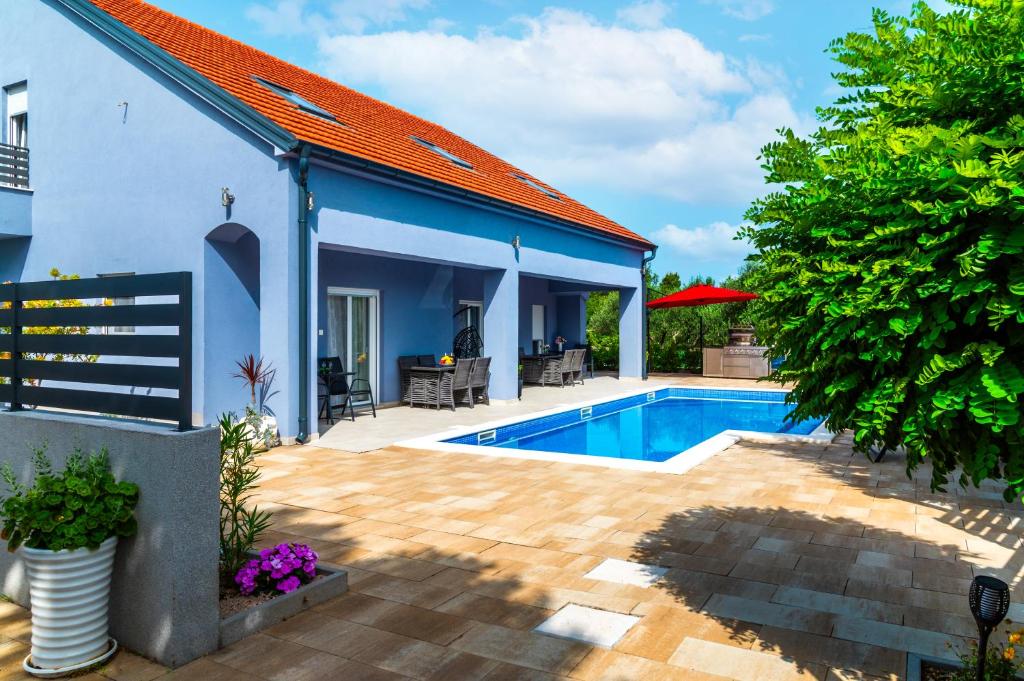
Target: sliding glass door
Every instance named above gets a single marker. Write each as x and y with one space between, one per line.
352 331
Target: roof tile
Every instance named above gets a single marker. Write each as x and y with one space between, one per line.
369 128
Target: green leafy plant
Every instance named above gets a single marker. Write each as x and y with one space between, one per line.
240 526
891 256
1001 661
78 507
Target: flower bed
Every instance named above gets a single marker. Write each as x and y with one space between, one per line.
276 584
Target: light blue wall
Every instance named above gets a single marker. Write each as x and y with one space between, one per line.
138 191
370 217
15 211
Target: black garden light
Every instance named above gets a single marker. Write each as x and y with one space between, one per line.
990 601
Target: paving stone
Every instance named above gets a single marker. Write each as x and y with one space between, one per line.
626 572
589 625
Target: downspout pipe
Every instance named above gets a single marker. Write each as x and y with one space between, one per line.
647 318
304 294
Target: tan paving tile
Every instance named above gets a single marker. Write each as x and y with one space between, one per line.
535 651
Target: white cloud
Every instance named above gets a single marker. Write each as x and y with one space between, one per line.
747 10
711 243
755 37
644 14
573 100
292 17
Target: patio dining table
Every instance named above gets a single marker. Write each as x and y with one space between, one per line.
431 385
533 365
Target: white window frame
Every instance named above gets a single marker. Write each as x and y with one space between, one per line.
479 305
16 105
374 295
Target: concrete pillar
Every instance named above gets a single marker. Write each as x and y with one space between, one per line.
279 318
501 324
631 330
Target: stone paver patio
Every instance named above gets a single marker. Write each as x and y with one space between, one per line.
784 562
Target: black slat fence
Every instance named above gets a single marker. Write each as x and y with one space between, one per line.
28 366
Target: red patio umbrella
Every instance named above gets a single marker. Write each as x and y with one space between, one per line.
698 296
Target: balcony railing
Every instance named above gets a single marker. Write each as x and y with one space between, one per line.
13 166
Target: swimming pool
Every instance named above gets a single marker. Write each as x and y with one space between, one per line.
654 426
666 429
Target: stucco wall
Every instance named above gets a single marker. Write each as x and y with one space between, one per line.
136 188
164 593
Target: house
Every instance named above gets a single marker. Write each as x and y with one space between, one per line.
317 221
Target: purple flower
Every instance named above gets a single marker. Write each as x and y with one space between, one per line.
284 568
290 584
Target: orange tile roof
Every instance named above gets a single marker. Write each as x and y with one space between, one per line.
370 129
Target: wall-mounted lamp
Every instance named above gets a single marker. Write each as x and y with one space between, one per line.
515 242
226 197
309 201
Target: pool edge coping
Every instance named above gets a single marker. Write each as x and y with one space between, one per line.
677 465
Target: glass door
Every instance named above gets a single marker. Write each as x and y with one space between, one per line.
352 332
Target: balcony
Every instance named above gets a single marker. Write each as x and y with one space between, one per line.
15 195
13 166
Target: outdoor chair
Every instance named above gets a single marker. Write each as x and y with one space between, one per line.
576 365
588 359
335 383
557 370
405 363
461 382
479 380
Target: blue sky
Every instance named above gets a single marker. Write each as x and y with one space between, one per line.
651 112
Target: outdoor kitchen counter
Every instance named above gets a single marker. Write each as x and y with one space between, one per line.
735 361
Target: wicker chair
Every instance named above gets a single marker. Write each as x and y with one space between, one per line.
461 382
405 363
576 367
557 370
588 359
426 360
479 380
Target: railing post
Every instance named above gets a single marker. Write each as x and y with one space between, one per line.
185 352
15 354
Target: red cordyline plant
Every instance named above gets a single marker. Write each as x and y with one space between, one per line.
253 372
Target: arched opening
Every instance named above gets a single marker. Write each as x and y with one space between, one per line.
13 253
231 314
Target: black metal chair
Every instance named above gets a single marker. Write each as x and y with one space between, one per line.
479 380
335 383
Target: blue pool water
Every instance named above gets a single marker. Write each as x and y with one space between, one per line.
651 427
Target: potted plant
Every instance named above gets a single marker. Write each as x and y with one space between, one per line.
258 377
66 525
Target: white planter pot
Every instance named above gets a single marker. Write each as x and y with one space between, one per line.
70 592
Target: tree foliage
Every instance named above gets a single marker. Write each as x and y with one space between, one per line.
45 330
675 332
891 259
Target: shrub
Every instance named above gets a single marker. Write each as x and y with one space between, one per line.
1001 662
891 249
79 507
283 568
240 527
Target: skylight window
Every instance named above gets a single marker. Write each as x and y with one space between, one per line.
299 101
538 187
441 152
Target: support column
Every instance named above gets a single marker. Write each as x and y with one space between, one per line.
501 321
631 330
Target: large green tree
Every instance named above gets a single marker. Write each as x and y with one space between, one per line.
892 258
